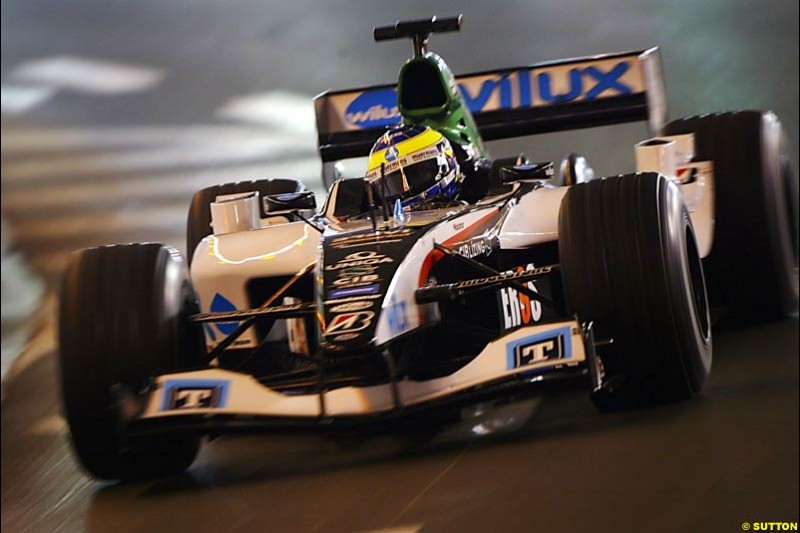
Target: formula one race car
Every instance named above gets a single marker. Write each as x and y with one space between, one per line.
441 278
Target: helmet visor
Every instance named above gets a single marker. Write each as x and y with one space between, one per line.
410 180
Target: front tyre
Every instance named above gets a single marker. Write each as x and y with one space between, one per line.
122 320
630 264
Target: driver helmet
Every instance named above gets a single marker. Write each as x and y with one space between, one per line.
413 164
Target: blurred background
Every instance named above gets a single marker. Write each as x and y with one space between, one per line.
114 113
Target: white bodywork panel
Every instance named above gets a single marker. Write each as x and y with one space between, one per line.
534 220
400 312
523 350
672 156
232 213
698 192
222 264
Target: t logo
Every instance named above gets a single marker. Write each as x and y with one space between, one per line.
543 347
195 394
540 351
194 398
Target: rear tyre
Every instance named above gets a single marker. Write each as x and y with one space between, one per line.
122 320
198 225
630 264
752 268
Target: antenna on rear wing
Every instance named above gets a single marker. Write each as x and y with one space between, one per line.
418 30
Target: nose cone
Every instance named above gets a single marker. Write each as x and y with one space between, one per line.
358 267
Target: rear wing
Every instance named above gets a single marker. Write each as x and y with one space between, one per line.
553 96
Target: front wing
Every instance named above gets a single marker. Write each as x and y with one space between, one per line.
217 399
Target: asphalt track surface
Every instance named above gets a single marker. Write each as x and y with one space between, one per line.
552 464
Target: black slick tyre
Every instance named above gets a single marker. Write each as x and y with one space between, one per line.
630 265
122 320
752 268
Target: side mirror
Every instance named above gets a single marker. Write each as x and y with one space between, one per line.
575 169
531 171
291 201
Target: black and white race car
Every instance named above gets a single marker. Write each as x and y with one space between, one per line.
361 313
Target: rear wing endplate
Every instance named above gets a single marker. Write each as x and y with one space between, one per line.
554 96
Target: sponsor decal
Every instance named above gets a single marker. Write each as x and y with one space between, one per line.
370 238
247 313
358 305
373 109
195 394
516 308
390 167
489 219
458 226
397 316
345 337
220 304
687 175
361 270
476 246
296 330
505 276
472 248
358 269
511 89
352 299
396 162
353 291
392 153
349 323
430 153
356 281
365 258
550 345
553 86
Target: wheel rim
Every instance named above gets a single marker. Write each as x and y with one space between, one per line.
698 285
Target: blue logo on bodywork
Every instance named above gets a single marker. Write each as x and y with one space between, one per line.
397 316
221 304
549 345
195 394
512 89
374 109
587 83
353 291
